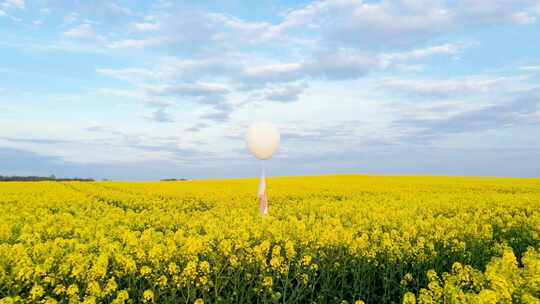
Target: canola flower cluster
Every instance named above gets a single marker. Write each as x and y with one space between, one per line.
330 239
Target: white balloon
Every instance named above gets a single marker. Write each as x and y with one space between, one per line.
263 139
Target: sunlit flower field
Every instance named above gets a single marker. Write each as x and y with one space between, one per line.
330 239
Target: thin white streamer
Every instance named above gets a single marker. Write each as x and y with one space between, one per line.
263 200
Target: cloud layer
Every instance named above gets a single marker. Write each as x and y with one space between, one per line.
355 86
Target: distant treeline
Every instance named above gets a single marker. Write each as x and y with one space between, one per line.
173 179
41 178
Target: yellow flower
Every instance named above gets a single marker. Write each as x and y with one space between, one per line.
102 237
121 297
487 296
93 288
162 281
409 298
59 289
276 262
173 268
111 286
306 260
48 301
145 270
289 249
148 295
268 282
199 301
190 271
204 267
8 300
72 290
233 260
37 292
90 300
203 282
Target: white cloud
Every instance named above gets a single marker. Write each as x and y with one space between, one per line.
160 115
417 54
217 115
71 18
134 43
14 4
200 68
345 63
448 87
325 24
116 9
274 72
130 94
211 32
341 64
134 75
145 26
410 67
82 31
187 89
371 24
518 110
2 13
217 64
246 75
530 68
230 27
162 95
150 18
357 22
287 93
523 18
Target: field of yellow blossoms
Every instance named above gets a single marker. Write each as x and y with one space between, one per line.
329 239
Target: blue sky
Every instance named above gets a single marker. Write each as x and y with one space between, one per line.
149 90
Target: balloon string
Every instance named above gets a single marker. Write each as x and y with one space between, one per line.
263 200
262 181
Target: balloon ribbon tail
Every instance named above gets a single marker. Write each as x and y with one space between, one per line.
263 199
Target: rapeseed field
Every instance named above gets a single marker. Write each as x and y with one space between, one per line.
329 239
